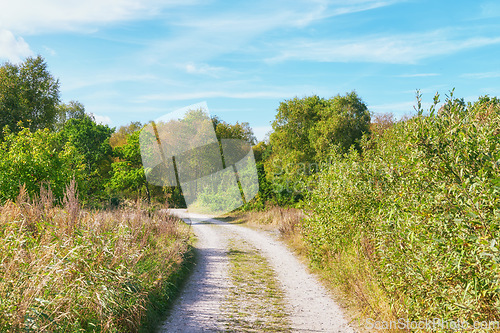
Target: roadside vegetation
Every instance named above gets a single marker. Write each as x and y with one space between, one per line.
65 269
418 208
403 224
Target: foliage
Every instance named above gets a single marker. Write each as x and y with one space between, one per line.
37 159
71 110
127 172
225 130
422 205
91 140
119 138
341 124
28 93
305 131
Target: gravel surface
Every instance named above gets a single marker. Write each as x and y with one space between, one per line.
198 309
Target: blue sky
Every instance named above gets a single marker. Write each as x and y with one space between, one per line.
131 60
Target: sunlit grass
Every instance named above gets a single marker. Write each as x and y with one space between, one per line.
67 269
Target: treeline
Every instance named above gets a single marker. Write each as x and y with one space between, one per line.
305 132
47 143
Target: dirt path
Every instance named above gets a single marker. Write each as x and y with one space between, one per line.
298 303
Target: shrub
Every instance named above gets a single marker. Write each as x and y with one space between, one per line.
422 204
34 159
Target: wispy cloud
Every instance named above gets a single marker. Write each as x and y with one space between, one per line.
34 17
490 9
233 30
204 69
215 94
11 48
484 75
395 49
419 75
50 51
112 78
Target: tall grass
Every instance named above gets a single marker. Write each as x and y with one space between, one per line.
65 269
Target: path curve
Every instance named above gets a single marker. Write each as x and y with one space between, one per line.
309 304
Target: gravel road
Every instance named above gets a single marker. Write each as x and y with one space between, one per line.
198 308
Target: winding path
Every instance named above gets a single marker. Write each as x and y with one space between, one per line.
198 309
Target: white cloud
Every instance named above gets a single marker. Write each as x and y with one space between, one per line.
204 69
204 37
485 75
11 48
104 120
396 49
34 16
110 78
419 75
215 94
261 131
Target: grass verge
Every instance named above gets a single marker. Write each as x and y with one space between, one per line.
68 270
349 277
255 299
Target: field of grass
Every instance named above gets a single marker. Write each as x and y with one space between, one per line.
66 269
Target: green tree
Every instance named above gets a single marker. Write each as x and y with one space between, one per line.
28 93
92 141
119 138
224 130
37 158
66 111
342 124
128 174
306 131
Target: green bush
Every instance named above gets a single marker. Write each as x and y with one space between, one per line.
34 159
422 204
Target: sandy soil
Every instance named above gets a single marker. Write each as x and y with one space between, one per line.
198 309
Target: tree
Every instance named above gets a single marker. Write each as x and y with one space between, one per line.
294 121
28 93
128 173
306 130
35 159
92 141
241 131
71 110
119 138
342 124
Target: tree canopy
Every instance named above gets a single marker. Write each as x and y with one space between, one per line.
29 94
307 130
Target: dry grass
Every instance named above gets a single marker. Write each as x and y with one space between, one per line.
67 270
287 221
349 277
